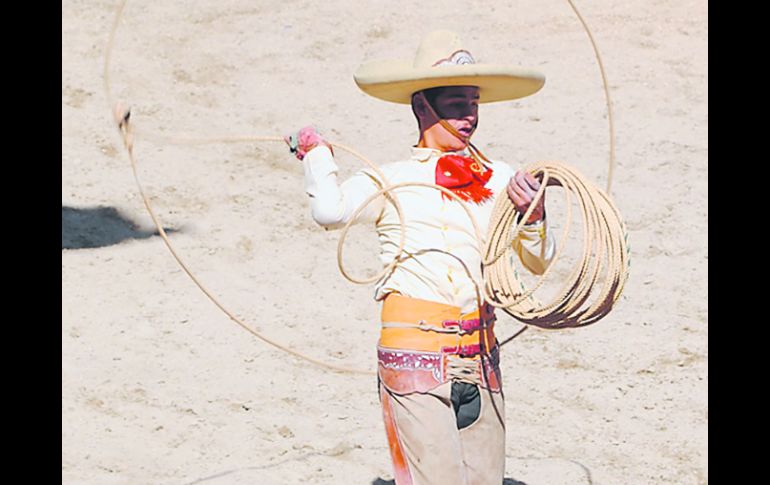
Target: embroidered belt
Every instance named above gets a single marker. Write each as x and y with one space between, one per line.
404 371
424 344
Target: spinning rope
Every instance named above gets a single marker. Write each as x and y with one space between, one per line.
605 245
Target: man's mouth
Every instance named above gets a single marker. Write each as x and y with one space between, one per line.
466 132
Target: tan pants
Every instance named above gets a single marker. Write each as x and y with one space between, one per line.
427 448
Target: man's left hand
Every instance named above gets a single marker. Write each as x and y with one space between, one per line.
521 190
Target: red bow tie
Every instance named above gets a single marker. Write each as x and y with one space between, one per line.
465 177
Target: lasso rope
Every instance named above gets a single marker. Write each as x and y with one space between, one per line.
502 286
122 117
606 86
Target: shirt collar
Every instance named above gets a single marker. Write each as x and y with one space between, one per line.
423 154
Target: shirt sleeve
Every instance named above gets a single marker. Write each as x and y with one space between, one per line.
535 246
333 205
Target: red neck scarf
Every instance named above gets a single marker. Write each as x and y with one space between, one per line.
465 177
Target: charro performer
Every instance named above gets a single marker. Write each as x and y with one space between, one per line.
438 361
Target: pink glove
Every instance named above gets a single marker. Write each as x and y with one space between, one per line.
305 140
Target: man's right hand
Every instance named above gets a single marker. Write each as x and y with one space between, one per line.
305 140
521 190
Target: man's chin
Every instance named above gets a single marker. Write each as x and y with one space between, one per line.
464 143
457 148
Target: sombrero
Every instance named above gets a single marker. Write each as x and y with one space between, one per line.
442 60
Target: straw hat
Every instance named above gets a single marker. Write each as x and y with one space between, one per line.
442 60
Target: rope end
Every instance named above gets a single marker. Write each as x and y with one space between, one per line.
121 114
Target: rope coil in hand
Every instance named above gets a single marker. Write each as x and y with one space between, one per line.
605 253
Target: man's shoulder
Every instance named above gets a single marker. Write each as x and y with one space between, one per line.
391 168
398 165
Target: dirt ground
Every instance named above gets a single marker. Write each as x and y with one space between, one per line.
158 386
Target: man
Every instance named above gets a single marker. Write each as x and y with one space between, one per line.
440 385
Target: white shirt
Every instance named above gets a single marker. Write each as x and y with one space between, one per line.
431 221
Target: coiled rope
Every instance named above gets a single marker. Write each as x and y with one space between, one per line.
605 255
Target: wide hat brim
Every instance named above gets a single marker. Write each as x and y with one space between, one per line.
396 81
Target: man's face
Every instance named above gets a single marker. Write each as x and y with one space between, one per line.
459 105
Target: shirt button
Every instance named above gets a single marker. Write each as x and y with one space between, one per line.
444 228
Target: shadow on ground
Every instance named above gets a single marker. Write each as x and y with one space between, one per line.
96 227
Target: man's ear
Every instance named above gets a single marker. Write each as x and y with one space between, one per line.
419 104
420 109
